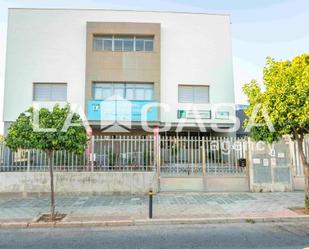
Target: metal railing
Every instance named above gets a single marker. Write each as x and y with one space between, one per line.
36 160
179 156
124 153
110 153
184 156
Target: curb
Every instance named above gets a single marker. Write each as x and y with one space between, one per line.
141 222
221 220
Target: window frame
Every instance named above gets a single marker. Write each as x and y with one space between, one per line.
126 86
193 95
50 94
102 38
123 38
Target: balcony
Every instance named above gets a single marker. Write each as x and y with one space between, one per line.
122 110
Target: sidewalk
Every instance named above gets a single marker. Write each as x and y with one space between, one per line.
166 206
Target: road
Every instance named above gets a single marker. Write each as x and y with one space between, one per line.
266 235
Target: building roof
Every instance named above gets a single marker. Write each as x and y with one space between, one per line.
125 10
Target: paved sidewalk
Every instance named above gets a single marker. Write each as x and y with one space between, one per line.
167 205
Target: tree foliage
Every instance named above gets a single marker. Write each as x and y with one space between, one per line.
22 134
285 98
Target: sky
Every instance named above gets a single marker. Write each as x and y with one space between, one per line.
260 28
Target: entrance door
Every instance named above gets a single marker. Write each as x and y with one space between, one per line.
203 164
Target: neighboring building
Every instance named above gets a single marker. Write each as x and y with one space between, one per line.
87 56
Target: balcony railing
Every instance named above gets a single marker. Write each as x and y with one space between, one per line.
122 110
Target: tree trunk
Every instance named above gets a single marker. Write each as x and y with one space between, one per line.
306 176
52 192
306 169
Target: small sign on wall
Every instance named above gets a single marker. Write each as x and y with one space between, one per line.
222 115
265 162
273 162
256 161
281 155
272 152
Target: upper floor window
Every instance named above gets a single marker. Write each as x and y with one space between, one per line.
144 44
193 94
49 91
103 43
129 91
123 43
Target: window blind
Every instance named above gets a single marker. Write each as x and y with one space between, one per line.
49 92
193 94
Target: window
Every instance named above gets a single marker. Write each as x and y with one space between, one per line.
193 94
103 43
128 44
49 92
108 44
123 43
144 44
118 45
139 45
148 46
129 91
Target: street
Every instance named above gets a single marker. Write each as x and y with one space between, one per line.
262 235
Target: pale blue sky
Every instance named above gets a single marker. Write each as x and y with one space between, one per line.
278 28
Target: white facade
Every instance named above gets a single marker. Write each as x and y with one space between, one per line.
45 45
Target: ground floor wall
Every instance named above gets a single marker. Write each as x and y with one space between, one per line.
105 183
79 182
126 165
298 183
205 184
70 183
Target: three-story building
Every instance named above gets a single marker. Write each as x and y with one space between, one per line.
113 63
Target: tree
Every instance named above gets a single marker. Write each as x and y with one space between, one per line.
286 101
25 133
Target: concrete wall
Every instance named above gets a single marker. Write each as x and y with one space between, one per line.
50 46
67 183
208 184
79 182
270 167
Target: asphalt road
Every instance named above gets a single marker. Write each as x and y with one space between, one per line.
267 235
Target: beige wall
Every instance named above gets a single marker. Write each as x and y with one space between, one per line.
79 182
206 184
122 66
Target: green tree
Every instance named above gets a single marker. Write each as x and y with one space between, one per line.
286 102
26 133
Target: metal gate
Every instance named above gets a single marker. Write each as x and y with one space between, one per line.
198 156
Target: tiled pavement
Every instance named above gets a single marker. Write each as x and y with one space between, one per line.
167 205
